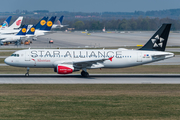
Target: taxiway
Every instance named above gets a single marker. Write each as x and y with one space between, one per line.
93 79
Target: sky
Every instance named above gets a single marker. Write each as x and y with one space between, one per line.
89 5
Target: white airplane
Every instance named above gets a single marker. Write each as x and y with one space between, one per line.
13 28
66 61
59 23
45 27
13 37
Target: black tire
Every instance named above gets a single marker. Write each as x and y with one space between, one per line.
26 74
84 74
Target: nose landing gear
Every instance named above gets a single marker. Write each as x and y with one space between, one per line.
27 74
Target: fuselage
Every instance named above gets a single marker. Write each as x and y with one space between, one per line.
11 38
50 58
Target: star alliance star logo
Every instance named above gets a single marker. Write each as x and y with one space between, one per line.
158 41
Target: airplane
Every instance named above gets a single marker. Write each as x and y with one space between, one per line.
41 23
67 61
13 28
43 27
59 23
6 22
31 31
13 37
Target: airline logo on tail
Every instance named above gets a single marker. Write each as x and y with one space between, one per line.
24 30
18 22
158 41
32 29
43 22
49 23
5 24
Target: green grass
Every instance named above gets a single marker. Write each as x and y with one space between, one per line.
6 53
84 102
2 60
144 69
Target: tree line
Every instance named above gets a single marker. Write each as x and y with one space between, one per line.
146 24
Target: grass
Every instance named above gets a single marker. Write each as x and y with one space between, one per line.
144 69
6 53
2 60
158 102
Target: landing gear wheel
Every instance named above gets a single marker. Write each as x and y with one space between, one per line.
27 74
85 74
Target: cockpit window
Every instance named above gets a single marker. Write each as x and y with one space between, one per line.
15 55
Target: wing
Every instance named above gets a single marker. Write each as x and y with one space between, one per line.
92 63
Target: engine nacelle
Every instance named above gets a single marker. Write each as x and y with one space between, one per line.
64 69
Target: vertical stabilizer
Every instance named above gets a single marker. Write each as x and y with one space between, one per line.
6 22
49 24
159 40
41 23
22 31
31 31
17 23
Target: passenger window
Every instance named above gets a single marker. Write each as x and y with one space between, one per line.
17 55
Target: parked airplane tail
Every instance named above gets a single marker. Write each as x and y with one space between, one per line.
17 23
6 22
61 19
31 31
22 31
49 24
41 23
159 40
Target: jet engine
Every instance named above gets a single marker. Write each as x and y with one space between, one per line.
64 69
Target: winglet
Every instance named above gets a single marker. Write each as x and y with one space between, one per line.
111 59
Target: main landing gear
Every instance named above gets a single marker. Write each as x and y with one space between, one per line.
84 73
27 74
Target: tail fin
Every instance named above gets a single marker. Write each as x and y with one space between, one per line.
41 23
17 23
6 22
49 24
159 40
61 19
22 31
31 31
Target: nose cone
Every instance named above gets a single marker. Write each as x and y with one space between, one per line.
7 61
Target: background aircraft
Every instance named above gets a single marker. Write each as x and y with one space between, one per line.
59 23
67 61
14 37
6 22
13 28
